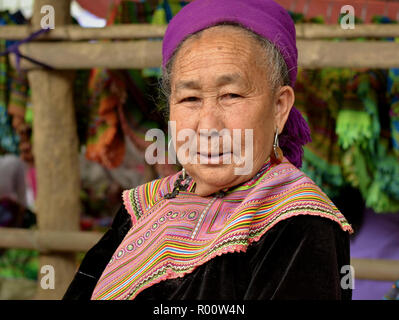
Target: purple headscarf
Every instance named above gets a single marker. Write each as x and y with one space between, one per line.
264 17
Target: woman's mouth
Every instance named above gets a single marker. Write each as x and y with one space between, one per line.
214 158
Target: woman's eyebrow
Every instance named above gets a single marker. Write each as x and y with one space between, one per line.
228 79
187 84
220 81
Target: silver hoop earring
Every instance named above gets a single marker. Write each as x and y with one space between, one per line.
183 171
275 144
277 153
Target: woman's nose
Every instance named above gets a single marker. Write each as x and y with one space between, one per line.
210 117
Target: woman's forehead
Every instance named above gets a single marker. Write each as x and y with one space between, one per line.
218 55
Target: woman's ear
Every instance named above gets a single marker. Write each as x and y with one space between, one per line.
284 100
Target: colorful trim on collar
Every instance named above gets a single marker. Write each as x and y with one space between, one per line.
171 237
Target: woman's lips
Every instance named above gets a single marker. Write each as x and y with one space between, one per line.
214 158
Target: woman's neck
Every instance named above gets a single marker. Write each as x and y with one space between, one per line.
203 188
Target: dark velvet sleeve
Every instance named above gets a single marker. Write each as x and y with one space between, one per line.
96 259
301 259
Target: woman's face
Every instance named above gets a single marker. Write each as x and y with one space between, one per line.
219 81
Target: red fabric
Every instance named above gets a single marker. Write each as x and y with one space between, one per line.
99 8
364 9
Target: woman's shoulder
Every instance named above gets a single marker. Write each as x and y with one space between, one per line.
288 192
313 225
302 257
304 233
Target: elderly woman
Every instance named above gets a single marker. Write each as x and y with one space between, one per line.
208 232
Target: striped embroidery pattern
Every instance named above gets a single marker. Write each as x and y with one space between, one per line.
161 245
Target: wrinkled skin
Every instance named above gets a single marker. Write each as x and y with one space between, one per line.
219 81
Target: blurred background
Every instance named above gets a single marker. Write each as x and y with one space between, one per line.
72 130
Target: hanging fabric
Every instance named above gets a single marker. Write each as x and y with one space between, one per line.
120 104
12 92
350 117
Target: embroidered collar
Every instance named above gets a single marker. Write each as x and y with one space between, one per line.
171 237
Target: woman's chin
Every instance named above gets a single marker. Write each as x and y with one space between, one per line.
211 178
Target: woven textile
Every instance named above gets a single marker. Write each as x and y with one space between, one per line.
170 238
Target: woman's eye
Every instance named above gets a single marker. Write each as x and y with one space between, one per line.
189 99
231 95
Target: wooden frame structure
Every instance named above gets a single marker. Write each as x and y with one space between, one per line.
67 48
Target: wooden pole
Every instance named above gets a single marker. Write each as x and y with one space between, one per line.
143 53
320 31
144 31
83 55
347 54
376 269
55 149
48 241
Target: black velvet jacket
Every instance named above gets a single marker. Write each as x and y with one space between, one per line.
299 258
